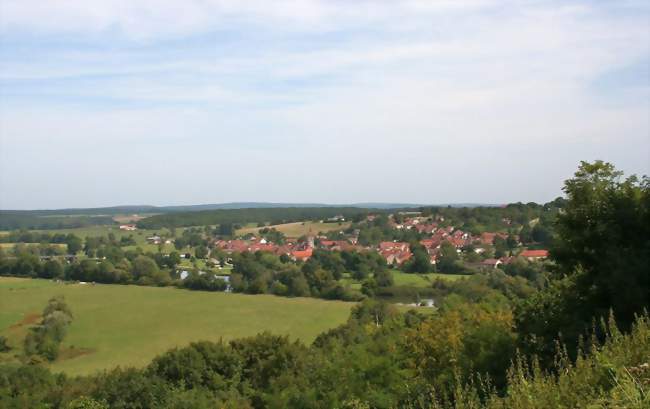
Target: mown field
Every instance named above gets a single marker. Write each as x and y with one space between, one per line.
129 325
298 229
9 246
140 236
408 279
422 280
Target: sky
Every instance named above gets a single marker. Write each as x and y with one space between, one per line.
115 102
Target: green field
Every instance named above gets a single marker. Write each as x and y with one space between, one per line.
140 237
406 279
12 245
299 228
129 325
422 280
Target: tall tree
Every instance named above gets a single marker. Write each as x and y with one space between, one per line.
605 232
420 262
602 252
73 243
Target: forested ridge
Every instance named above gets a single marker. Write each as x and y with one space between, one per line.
13 220
256 215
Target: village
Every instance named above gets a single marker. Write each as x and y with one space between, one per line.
395 253
479 251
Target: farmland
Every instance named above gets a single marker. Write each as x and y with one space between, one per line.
129 325
422 280
298 229
139 236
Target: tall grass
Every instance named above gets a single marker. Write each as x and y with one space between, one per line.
614 374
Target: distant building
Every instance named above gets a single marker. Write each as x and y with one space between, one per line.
302 255
154 239
337 218
534 255
128 227
393 245
427 302
410 213
491 263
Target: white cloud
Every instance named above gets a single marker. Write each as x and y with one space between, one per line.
145 19
387 89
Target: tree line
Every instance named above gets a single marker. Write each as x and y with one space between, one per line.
260 272
256 215
253 273
10 220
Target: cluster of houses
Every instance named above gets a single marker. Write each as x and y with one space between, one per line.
395 253
297 250
530 255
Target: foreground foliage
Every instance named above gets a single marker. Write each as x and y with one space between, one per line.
359 365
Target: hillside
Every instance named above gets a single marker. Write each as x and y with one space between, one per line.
278 215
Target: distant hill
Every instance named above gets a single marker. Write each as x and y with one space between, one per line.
273 215
269 205
71 217
91 211
371 205
135 209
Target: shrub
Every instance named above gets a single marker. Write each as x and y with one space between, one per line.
4 346
45 338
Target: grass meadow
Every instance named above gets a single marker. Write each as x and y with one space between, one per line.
140 237
422 280
403 279
117 325
298 229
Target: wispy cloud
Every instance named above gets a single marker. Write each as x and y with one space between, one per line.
391 88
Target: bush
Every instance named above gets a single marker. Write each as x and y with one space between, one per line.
86 403
4 345
384 278
45 338
280 289
205 282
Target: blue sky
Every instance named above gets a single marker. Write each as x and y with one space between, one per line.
184 102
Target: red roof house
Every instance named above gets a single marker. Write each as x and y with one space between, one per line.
302 255
534 254
491 262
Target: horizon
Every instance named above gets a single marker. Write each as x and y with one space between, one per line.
107 101
393 205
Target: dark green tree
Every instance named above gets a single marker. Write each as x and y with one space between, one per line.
604 231
74 244
384 278
420 262
201 252
602 252
448 258
52 269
